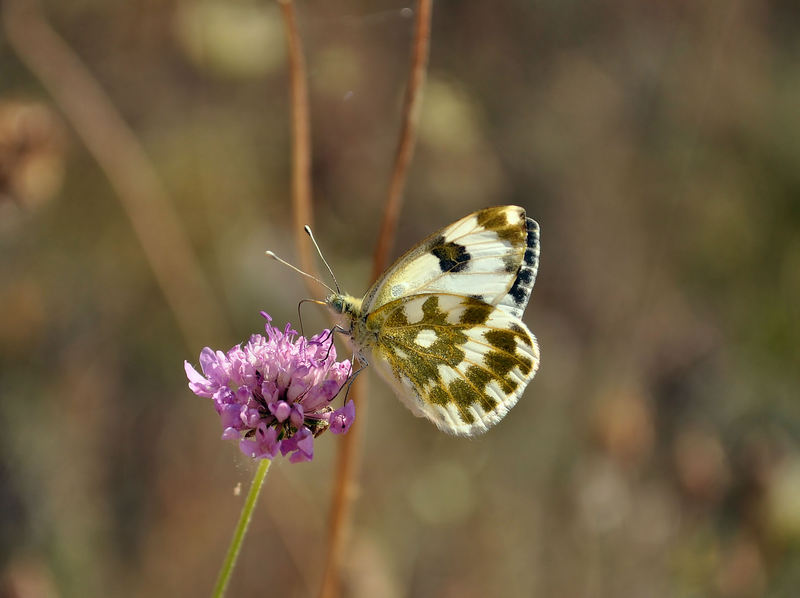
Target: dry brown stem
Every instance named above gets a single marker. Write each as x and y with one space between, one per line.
303 213
302 208
408 135
349 457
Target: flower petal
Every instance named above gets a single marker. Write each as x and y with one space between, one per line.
230 434
281 410
297 415
341 419
301 445
193 375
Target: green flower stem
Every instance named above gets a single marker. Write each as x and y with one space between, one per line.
241 529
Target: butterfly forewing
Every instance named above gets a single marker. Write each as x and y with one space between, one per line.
491 255
457 360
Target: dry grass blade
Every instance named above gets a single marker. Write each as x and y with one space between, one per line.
122 158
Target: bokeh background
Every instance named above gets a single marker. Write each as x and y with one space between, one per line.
656 454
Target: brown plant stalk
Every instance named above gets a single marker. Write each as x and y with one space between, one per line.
302 209
412 104
348 458
124 161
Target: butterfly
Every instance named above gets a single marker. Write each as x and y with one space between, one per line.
443 324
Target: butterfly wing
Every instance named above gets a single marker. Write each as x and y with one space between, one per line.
456 360
492 255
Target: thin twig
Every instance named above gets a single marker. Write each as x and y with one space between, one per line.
348 461
302 207
303 213
349 457
408 135
123 160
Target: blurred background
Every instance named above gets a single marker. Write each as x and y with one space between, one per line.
657 452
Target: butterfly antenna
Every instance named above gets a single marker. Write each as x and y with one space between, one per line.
314 241
299 271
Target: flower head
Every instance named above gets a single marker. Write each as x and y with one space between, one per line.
273 393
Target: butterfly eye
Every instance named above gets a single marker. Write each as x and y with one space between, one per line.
336 302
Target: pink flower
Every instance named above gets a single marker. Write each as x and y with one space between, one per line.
273 393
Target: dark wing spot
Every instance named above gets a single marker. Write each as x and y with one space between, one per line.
452 256
496 220
397 318
518 292
492 218
432 315
521 334
464 395
480 378
502 339
438 395
500 363
533 232
525 365
476 312
530 257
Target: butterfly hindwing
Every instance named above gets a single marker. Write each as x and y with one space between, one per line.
456 360
491 254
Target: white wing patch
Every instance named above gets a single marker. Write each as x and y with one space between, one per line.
461 228
425 338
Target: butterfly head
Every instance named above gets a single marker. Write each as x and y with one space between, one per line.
345 305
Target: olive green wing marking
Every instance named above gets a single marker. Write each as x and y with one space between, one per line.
458 361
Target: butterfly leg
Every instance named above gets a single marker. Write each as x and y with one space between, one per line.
363 364
326 337
336 328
